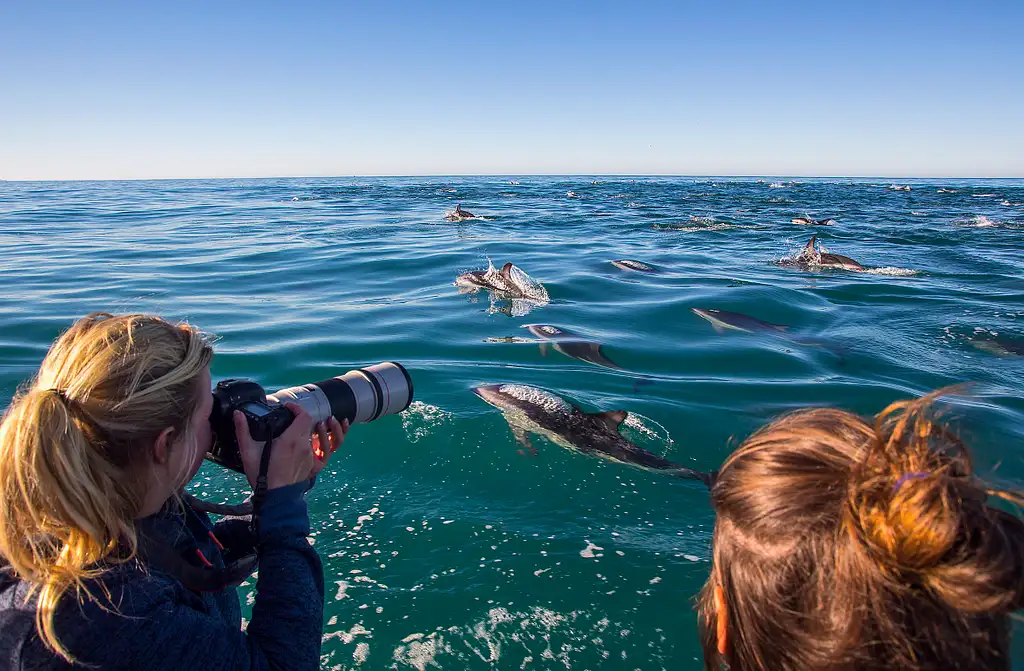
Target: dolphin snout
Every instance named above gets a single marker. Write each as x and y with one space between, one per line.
488 392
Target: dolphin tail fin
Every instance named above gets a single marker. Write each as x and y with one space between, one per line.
598 357
690 474
611 418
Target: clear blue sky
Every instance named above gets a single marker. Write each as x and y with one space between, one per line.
219 89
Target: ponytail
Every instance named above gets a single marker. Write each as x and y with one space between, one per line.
69 444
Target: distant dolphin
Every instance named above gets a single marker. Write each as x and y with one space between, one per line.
459 214
812 257
532 410
511 282
631 264
571 344
723 319
1000 346
804 221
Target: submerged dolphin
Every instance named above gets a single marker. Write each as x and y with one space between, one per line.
723 319
510 281
812 257
631 264
532 410
570 344
1000 346
459 214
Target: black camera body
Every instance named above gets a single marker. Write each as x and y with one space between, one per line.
266 422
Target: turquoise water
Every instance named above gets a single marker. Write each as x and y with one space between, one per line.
443 546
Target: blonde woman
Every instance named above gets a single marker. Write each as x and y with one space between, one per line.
98 550
842 543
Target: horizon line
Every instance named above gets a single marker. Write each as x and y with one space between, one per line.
511 174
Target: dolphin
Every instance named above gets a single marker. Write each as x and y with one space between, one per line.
1000 346
812 257
570 344
509 280
723 319
805 221
631 264
531 410
459 214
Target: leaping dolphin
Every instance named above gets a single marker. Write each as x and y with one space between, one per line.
812 257
511 282
570 344
531 410
806 221
459 214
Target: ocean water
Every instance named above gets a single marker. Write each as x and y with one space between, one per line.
443 545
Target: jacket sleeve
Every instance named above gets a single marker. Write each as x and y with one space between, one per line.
161 626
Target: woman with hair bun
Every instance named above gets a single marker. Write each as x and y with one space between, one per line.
103 563
844 544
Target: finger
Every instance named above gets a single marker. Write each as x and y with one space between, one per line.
338 431
323 441
249 453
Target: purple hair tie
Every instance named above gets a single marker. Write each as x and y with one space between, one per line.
908 476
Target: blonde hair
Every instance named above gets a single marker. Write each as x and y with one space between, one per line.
845 544
70 442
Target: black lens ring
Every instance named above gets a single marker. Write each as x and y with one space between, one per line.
340 397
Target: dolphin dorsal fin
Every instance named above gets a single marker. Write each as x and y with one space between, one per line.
612 418
506 271
810 244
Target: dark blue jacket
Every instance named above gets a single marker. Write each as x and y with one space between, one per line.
154 622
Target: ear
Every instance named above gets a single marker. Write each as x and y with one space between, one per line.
162 446
721 616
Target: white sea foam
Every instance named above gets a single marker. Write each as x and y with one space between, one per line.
422 419
892 272
588 552
981 221
648 431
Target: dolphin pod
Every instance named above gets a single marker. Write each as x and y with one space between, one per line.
531 410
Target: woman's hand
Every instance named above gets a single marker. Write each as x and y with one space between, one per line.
321 438
292 457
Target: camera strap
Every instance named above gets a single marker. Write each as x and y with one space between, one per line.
260 492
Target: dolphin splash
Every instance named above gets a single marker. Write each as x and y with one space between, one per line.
459 214
813 257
